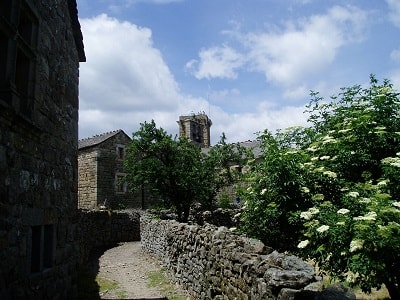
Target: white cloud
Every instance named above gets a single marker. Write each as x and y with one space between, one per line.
242 127
395 55
123 68
306 48
394 13
286 56
123 73
125 81
395 79
220 62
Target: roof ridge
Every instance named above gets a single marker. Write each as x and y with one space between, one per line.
97 139
101 134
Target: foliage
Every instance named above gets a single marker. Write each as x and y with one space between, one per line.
221 161
177 171
337 183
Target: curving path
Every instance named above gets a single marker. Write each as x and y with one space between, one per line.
129 266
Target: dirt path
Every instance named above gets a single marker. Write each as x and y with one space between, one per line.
133 270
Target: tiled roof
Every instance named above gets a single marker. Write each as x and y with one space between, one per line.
97 139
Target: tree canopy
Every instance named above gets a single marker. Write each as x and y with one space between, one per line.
176 171
331 191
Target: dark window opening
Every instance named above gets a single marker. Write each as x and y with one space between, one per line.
25 26
18 38
35 253
3 60
42 247
48 245
22 73
120 185
5 8
121 152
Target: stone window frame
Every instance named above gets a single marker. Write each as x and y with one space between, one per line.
121 151
120 187
42 248
19 26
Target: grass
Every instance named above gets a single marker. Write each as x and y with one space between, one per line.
159 280
106 285
381 294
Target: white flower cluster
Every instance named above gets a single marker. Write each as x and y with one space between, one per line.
343 211
392 161
303 244
356 245
313 149
328 139
322 228
307 215
354 194
371 216
330 174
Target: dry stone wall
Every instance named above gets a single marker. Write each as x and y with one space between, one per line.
214 263
105 228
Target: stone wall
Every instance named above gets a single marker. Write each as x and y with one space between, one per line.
106 228
39 67
87 179
214 263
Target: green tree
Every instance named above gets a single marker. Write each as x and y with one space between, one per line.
275 194
178 172
168 167
220 166
340 180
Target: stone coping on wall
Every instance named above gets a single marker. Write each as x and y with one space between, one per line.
214 263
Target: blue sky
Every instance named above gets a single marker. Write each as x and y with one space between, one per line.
248 64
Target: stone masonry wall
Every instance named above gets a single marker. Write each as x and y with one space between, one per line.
87 182
214 263
38 150
105 228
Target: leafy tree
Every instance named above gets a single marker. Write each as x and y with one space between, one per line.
219 163
168 167
275 195
341 182
177 171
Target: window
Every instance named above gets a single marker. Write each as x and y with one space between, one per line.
120 184
121 152
18 39
42 247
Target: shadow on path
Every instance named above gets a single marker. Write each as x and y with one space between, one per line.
88 288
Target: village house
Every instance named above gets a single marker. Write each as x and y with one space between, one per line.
101 172
40 50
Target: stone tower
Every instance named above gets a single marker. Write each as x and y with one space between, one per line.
196 128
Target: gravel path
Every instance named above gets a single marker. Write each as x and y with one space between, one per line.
129 266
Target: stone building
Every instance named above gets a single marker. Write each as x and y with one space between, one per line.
196 128
101 172
40 50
